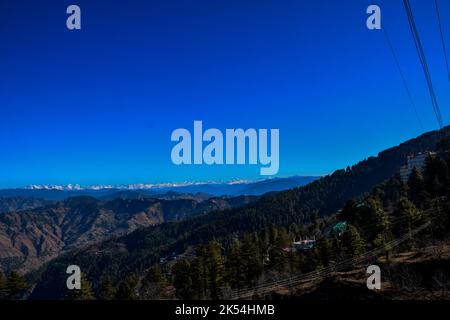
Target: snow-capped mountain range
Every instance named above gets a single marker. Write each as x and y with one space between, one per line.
140 186
213 188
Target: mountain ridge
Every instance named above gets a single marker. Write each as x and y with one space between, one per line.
143 247
31 237
232 188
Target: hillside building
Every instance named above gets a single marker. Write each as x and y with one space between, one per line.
414 161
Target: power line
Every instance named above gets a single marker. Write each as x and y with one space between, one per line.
315 276
442 38
423 61
318 275
338 266
405 84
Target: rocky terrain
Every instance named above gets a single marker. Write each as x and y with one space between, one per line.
31 237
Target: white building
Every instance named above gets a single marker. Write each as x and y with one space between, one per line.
414 161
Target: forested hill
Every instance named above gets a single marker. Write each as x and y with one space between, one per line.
31 237
137 251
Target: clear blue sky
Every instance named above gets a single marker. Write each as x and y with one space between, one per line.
98 105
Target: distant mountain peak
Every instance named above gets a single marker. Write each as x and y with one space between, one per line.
150 186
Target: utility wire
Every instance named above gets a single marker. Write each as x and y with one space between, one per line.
405 84
442 38
423 61
320 274
325 272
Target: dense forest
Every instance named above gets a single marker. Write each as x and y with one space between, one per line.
216 270
258 234
393 209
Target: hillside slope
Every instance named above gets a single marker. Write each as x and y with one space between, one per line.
32 237
140 249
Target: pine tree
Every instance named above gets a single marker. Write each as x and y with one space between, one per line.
234 266
353 242
199 271
380 242
324 248
183 281
252 260
439 214
128 288
417 192
409 218
393 190
215 268
107 290
15 285
375 217
349 212
278 256
198 275
153 283
435 176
